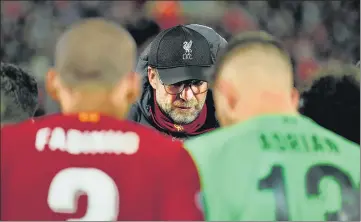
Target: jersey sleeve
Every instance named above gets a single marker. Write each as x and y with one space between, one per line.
180 188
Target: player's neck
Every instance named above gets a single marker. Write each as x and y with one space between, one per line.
90 109
267 106
94 104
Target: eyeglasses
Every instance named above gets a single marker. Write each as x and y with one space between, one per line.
197 87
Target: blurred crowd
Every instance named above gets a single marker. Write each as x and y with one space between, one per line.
315 32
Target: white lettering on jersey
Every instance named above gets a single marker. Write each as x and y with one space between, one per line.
87 142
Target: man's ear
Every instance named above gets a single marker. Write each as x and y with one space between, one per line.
295 97
51 84
152 77
135 83
128 89
229 93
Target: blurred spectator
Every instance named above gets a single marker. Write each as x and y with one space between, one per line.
18 94
315 32
332 99
143 30
166 13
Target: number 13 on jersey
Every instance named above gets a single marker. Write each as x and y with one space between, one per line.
288 193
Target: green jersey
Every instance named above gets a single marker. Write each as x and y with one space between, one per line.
277 168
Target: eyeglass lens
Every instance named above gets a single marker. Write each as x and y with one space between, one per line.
197 87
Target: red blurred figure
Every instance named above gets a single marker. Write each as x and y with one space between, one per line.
168 14
306 68
126 171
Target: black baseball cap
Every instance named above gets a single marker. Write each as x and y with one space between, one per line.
180 54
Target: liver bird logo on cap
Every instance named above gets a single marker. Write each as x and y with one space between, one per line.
188 51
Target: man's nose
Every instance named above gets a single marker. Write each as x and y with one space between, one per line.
187 93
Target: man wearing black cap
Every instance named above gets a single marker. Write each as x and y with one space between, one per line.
176 98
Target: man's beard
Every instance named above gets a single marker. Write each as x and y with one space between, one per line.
181 116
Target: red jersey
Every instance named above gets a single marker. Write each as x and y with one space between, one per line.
91 167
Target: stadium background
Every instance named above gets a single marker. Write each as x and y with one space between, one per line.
315 32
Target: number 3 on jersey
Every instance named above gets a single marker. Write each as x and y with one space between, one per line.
100 188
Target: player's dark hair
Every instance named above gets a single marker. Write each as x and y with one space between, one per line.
243 40
333 101
19 94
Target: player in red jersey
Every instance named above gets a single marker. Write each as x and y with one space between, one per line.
87 163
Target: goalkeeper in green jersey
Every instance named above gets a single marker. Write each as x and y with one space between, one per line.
268 162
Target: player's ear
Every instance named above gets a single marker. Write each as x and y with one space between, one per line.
226 89
135 83
128 89
295 97
51 85
152 77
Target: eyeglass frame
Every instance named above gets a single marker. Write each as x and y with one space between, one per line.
164 85
184 86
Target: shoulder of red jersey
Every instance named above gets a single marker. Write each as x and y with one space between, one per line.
10 134
13 126
156 144
31 122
